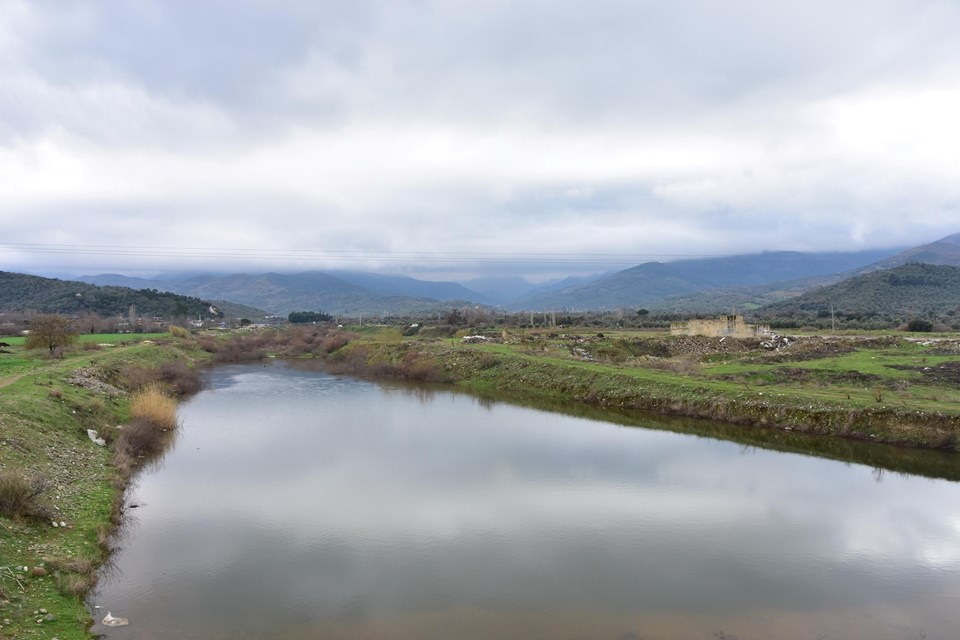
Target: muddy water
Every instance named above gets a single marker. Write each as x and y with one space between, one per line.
300 505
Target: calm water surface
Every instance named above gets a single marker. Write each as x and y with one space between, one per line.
299 505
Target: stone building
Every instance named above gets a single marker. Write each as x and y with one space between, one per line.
732 326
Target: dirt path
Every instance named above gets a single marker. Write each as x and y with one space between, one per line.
5 382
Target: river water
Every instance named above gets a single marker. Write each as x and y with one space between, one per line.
298 505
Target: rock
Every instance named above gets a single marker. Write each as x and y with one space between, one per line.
38 572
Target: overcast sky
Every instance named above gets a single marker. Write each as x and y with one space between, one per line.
447 137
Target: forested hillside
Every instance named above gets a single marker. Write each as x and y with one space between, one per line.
21 292
880 299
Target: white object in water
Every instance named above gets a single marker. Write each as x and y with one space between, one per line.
110 621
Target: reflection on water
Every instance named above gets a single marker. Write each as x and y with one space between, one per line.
300 505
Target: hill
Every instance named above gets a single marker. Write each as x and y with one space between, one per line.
21 292
945 251
886 297
653 284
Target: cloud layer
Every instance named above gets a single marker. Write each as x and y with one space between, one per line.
503 134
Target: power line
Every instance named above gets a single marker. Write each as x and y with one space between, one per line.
337 254
361 255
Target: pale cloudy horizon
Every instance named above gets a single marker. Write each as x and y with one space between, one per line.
450 139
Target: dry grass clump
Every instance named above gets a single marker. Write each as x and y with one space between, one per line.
152 423
20 494
178 332
153 406
75 576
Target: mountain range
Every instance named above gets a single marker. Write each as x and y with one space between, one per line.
699 285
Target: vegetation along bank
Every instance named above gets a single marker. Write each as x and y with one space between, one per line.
880 388
61 492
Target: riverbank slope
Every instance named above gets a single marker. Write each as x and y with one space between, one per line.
49 552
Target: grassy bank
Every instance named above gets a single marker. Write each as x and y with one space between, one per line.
64 490
880 388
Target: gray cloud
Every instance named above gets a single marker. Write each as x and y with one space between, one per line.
522 127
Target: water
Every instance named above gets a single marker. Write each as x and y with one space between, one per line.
299 505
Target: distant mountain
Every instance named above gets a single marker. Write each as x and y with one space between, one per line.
389 285
914 289
943 251
22 292
331 292
651 284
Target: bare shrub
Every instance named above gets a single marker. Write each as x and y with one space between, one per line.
141 438
415 366
91 346
209 344
133 377
335 342
55 393
242 349
179 378
20 493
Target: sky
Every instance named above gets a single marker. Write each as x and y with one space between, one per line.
458 138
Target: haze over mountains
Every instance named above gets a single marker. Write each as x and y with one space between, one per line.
705 285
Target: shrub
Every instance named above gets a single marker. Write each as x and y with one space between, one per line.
141 438
334 342
179 378
19 494
242 349
133 377
208 344
918 325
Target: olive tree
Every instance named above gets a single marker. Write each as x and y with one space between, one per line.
50 331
